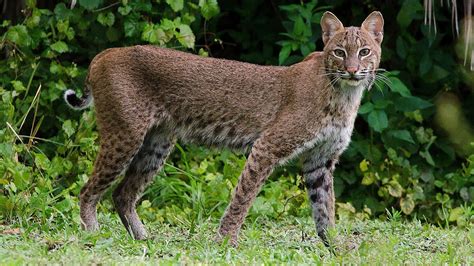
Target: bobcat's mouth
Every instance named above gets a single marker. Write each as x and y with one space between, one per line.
358 76
352 82
355 77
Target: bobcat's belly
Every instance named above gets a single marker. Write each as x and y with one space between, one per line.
329 143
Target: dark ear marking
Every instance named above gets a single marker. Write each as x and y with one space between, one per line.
373 24
330 25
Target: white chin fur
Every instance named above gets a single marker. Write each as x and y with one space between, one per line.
351 83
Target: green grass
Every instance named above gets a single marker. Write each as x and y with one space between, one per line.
291 241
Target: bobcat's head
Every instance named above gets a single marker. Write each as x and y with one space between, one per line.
352 54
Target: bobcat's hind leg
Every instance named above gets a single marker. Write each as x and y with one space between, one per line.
318 175
149 159
115 153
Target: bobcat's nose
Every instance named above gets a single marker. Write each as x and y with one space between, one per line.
352 70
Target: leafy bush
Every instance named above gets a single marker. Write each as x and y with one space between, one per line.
399 157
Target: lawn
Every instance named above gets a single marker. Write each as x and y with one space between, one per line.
289 241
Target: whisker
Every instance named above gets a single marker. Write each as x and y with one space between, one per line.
377 85
384 80
381 75
334 81
324 74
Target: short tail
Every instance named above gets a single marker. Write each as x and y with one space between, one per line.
77 103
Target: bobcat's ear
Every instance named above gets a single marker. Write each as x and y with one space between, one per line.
374 25
330 24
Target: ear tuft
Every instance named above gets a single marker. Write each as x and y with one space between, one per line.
374 25
330 24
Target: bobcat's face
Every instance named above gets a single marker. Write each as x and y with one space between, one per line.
352 55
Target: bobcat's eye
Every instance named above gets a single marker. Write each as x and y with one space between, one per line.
339 53
364 52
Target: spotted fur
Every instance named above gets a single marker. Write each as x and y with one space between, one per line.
147 97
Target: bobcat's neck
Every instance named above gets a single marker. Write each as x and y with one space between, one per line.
348 97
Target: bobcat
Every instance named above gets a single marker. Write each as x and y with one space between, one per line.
148 97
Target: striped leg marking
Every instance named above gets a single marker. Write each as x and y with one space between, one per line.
319 183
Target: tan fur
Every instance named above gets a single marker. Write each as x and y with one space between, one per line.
147 97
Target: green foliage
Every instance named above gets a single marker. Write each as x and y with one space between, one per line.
399 158
300 31
209 8
47 151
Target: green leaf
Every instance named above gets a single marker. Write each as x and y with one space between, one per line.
368 179
411 103
60 47
68 128
203 53
186 36
299 26
149 34
402 135
366 108
305 49
167 24
374 204
124 10
401 47
176 5
284 53
106 19
146 204
31 4
396 85
62 12
19 35
425 64
6 150
18 85
377 120
42 161
395 189
407 12
427 176
428 158
443 198
471 193
131 27
90 4
437 73
34 19
381 103
418 193
364 165
209 8
455 214
407 204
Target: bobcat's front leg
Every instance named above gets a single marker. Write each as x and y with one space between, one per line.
258 167
319 183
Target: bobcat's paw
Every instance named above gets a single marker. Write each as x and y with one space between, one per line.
90 225
226 239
